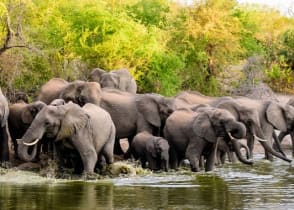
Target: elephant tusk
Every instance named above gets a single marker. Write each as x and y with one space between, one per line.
231 137
259 139
31 144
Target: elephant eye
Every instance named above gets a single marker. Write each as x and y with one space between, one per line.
47 123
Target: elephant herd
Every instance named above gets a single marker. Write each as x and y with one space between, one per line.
81 123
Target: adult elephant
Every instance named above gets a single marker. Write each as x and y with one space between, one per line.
271 115
4 113
51 90
119 79
151 149
131 113
88 129
290 130
194 134
21 115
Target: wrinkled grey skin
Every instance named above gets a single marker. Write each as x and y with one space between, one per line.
4 112
151 149
89 130
290 130
21 115
131 113
120 79
51 90
271 115
194 134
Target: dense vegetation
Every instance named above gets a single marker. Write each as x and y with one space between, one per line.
167 46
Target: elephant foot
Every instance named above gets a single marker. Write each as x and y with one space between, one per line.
90 176
195 169
5 164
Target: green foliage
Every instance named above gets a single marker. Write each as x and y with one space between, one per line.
163 75
279 75
150 13
35 72
287 48
3 18
250 27
166 46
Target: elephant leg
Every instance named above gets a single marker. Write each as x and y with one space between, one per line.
282 135
89 159
222 158
233 156
143 162
57 154
4 149
101 162
88 155
174 162
15 148
108 152
151 163
277 144
209 164
292 139
193 153
250 144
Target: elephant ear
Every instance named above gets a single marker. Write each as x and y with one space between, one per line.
28 114
74 119
202 127
147 105
275 115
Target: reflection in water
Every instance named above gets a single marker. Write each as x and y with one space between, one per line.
263 186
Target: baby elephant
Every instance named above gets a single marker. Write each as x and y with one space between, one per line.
151 149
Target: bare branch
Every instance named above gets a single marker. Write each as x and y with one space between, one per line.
9 37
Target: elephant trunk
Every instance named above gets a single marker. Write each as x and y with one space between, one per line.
165 160
259 136
273 152
30 138
22 151
236 129
237 148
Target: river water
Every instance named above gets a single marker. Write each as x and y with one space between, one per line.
264 185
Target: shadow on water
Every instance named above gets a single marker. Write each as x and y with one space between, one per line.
262 186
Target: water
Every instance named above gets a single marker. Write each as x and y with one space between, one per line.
235 186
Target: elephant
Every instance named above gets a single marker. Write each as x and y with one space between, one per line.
51 90
151 149
290 130
119 79
21 115
269 115
88 129
4 113
131 113
192 134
